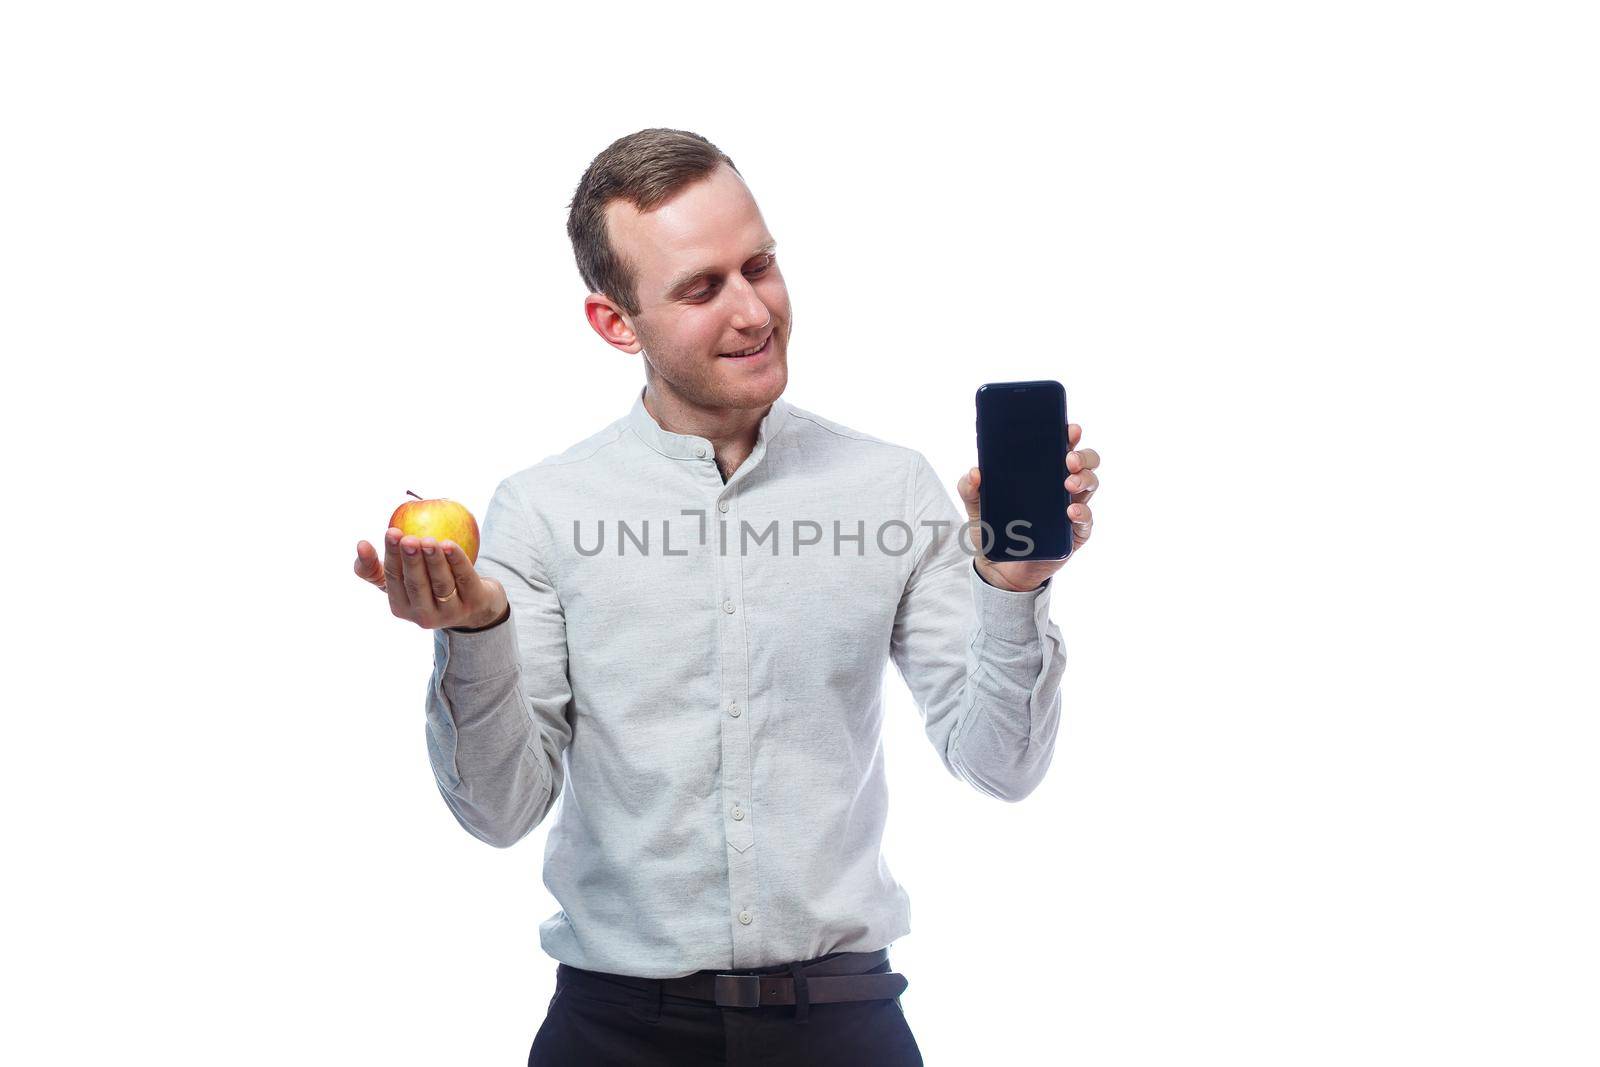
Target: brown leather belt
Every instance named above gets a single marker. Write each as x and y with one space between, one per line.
831 979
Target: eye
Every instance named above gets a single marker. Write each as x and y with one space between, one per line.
766 264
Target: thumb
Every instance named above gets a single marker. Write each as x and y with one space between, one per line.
967 489
368 566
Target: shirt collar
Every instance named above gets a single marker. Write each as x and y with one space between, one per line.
688 446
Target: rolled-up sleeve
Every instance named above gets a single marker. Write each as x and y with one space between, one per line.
984 664
498 699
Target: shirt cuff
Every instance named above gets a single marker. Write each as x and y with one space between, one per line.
477 656
1011 616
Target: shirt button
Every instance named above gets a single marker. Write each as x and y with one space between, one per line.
722 505
700 451
727 605
733 709
738 813
744 917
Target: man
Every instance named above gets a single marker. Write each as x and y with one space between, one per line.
703 692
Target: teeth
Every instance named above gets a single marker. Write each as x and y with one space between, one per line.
749 351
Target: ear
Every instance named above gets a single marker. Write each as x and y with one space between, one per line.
611 323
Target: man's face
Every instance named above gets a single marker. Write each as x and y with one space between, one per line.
708 284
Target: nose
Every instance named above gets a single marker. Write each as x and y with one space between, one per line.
749 313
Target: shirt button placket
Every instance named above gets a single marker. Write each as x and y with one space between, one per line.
738 797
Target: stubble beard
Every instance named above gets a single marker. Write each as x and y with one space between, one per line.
702 389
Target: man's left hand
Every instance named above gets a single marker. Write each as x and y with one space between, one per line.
1082 481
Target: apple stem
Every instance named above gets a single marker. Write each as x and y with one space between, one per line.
410 493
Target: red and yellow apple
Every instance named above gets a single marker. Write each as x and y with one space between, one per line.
442 520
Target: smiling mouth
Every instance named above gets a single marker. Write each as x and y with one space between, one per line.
758 350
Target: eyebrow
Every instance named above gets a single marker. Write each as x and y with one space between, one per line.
684 281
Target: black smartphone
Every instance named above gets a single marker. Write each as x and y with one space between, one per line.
1022 458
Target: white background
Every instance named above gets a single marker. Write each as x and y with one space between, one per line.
1320 281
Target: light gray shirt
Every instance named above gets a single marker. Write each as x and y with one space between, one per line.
694 669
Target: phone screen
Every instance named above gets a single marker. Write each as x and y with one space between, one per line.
1022 454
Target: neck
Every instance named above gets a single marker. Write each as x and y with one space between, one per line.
731 431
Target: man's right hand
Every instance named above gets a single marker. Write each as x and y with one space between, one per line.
431 583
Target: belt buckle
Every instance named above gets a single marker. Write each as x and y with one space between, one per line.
738 990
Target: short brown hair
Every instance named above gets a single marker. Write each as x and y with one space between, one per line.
646 169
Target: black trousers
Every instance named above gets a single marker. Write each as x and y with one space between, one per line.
609 1020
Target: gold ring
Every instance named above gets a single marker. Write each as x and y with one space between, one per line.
442 599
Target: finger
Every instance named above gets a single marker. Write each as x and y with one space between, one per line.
1074 434
1084 459
416 579
440 581
467 582
1082 485
368 568
394 573
1082 523
967 489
